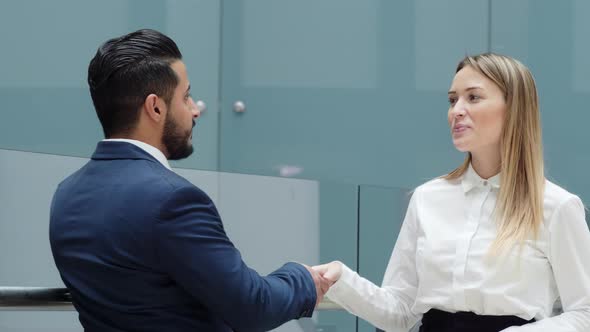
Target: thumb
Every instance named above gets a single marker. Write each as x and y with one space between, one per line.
333 271
321 269
332 275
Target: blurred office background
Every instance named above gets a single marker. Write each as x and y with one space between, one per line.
321 116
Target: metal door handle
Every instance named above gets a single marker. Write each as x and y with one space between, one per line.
239 107
201 106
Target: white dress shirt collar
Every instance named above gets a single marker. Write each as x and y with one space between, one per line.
153 151
471 180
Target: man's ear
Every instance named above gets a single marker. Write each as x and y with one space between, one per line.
154 107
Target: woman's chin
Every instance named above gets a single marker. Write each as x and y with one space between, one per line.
460 147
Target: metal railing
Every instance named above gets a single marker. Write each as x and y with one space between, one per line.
59 299
35 298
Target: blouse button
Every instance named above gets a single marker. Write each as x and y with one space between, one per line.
485 183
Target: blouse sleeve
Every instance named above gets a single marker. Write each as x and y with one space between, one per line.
389 306
570 261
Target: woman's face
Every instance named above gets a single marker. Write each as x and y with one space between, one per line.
476 113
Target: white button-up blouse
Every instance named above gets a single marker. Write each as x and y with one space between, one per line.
441 261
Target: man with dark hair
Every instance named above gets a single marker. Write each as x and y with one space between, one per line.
139 247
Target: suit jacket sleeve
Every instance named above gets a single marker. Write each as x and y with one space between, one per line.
194 248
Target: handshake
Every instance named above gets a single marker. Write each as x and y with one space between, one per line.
324 276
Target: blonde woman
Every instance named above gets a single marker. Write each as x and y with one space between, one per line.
492 245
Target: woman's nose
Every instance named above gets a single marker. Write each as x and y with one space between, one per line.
459 109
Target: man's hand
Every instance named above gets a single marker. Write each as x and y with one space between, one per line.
331 271
321 284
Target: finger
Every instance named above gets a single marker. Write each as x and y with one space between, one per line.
324 287
320 268
330 282
314 274
331 274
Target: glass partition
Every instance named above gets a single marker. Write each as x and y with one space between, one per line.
28 182
382 211
271 220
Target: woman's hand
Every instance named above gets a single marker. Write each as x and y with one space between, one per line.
331 271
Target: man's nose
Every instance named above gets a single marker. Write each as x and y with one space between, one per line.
195 109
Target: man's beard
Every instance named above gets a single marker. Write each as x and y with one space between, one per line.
177 143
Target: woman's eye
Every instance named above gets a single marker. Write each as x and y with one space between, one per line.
474 97
452 100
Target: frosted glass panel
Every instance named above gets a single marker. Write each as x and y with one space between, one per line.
271 220
510 28
345 91
46 49
28 182
382 211
581 48
556 50
309 43
445 31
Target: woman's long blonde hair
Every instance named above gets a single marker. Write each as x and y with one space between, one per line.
519 208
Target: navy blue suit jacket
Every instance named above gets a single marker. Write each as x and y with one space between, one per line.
143 249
